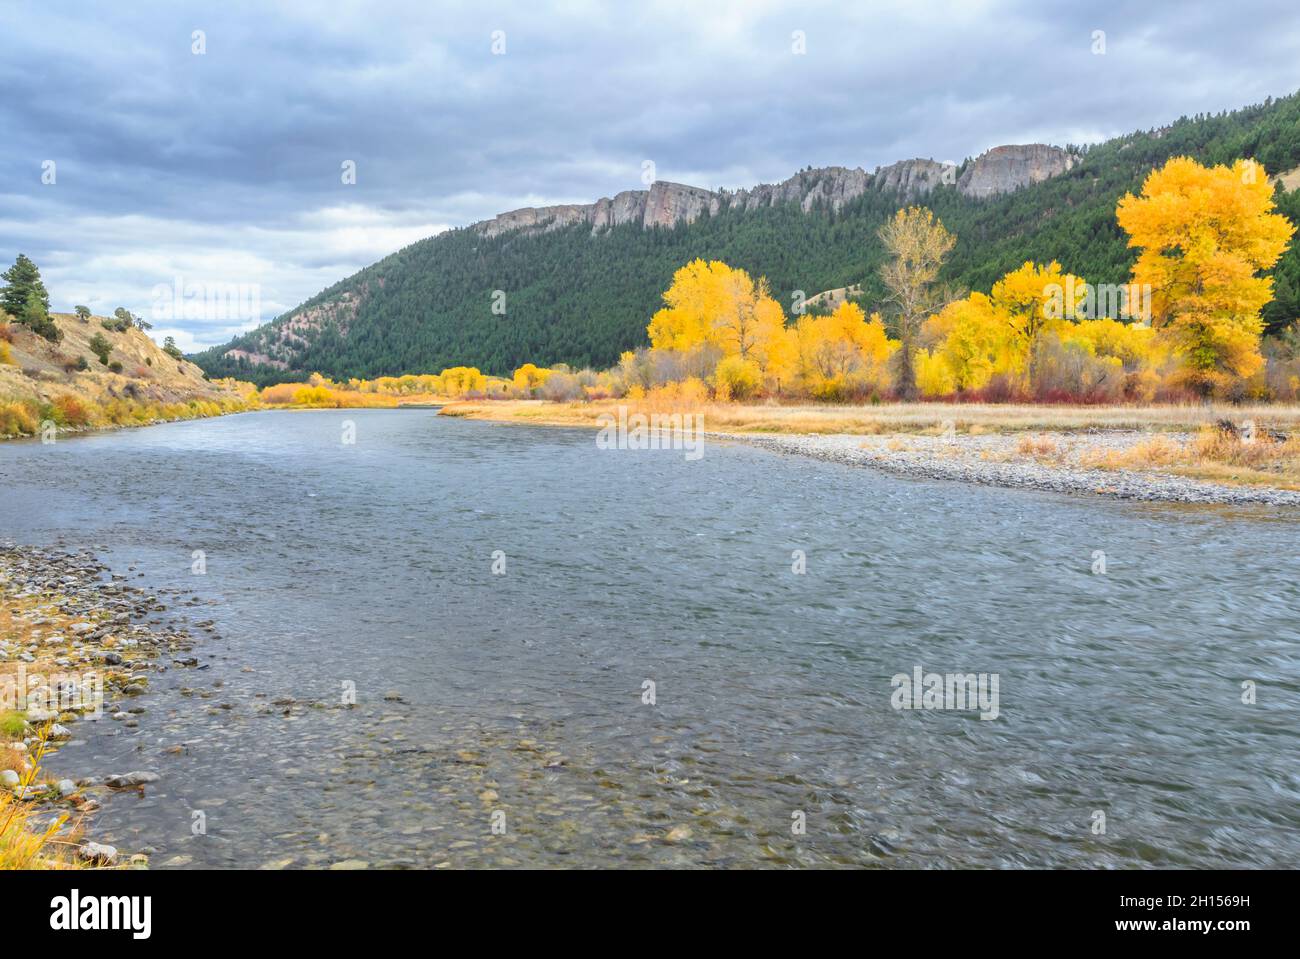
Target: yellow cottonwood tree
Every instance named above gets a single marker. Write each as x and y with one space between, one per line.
917 243
933 375
459 380
1132 344
692 301
736 378
1205 234
528 377
1032 298
776 351
975 341
715 305
745 313
843 353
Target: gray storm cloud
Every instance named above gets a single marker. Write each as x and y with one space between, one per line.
224 166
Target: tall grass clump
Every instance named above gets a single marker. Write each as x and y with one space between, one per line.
24 843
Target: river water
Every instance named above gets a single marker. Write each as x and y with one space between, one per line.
518 588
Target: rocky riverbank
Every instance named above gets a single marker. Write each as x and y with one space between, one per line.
1059 462
77 645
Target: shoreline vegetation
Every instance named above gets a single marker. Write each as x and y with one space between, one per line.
76 648
27 417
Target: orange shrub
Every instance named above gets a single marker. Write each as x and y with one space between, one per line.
70 411
18 419
280 394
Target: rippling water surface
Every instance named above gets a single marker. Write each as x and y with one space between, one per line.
521 694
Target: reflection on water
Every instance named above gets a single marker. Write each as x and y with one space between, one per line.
522 694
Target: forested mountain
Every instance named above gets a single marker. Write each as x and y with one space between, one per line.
578 284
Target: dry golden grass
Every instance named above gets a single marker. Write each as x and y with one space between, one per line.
1290 180
11 758
1213 455
1155 452
43 382
1037 446
973 419
1260 451
25 844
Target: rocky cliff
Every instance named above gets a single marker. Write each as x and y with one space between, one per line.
915 178
1004 169
1000 170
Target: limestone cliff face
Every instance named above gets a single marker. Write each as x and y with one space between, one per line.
534 219
1001 170
667 204
664 204
671 203
915 178
1009 168
833 186
626 207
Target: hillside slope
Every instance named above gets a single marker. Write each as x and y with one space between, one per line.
579 282
151 382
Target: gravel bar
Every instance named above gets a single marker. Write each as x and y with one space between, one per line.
994 460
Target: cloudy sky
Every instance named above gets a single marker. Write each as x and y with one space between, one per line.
217 157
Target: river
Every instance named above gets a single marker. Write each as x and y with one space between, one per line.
526 595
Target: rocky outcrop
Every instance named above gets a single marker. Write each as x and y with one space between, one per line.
666 204
915 178
535 219
830 186
671 203
257 359
626 207
277 343
1009 168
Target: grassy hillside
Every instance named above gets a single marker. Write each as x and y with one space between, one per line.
581 299
43 380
